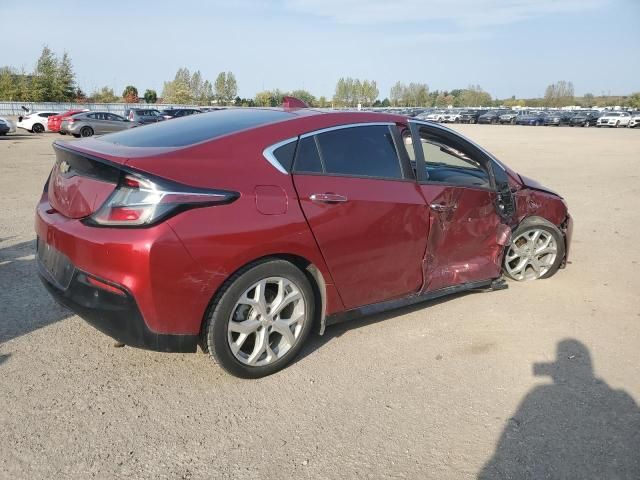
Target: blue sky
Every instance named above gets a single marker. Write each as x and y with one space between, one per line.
509 47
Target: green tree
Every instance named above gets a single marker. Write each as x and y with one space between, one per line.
65 87
8 84
588 100
150 96
104 95
45 77
305 96
634 100
226 87
179 89
130 94
473 96
559 94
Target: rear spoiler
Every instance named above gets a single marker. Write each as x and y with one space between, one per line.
293 102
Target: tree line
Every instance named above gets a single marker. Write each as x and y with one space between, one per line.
53 80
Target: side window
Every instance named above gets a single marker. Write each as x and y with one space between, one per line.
448 163
307 157
366 151
115 118
92 115
284 155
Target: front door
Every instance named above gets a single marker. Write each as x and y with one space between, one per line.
467 233
365 210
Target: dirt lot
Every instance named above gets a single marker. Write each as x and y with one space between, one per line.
444 390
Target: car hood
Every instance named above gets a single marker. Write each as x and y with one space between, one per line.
535 185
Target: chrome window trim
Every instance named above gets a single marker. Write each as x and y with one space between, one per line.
271 158
346 125
268 154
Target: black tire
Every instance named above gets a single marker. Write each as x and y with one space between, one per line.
86 132
214 332
37 128
77 135
61 132
540 224
513 121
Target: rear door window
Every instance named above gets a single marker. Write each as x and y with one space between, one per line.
363 151
307 157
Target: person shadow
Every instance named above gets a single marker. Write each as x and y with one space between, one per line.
574 428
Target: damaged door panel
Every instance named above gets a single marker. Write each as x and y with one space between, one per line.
470 209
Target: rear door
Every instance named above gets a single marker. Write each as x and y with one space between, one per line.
469 216
365 210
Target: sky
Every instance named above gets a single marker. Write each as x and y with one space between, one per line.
508 47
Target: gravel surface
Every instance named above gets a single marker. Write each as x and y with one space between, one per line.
444 390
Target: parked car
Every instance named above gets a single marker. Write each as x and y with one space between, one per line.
452 116
492 116
531 118
6 126
635 120
471 116
94 123
436 116
179 112
143 116
54 121
511 116
557 118
614 119
584 119
244 229
35 122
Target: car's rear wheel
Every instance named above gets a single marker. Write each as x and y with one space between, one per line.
260 319
86 132
536 251
37 128
513 121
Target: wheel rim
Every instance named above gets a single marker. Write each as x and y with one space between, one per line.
38 128
85 132
266 322
531 255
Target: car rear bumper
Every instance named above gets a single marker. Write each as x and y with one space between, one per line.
116 315
167 292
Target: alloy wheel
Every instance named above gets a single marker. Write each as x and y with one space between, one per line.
266 322
531 255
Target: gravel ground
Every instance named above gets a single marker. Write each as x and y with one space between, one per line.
445 390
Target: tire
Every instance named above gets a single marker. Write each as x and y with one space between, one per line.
86 132
221 329
37 128
617 124
76 135
513 121
62 133
521 263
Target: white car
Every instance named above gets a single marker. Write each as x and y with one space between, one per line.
35 122
614 119
635 120
6 124
437 116
451 117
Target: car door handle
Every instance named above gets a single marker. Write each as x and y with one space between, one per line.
442 207
328 198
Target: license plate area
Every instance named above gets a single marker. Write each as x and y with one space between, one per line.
55 265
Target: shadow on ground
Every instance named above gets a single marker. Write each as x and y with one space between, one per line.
25 304
315 342
574 428
17 136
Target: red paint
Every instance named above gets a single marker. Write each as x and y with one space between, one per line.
385 242
463 240
374 242
54 121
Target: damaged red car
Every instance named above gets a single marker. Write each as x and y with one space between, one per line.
242 230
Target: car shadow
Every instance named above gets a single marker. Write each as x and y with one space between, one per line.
25 304
316 342
17 136
574 428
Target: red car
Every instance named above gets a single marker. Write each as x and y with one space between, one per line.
54 121
241 230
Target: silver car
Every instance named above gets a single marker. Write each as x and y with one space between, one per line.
87 124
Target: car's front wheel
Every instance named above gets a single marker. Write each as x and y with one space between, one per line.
536 251
260 319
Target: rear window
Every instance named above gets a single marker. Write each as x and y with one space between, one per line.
360 151
196 128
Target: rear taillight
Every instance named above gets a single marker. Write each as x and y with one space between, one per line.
140 202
